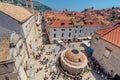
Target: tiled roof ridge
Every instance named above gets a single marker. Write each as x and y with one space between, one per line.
113 28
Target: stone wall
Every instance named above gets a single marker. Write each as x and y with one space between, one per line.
112 60
8 71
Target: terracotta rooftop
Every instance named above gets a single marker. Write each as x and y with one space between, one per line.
111 34
18 13
92 23
89 19
4 49
73 13
36 12
62 23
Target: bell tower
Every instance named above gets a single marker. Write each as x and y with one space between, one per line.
29 5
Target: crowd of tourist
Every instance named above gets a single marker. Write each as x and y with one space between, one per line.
93 63
54 74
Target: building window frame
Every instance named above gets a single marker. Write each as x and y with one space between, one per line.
91 33
62 29
54 29
107 52
70 29
69 34
54 36
75 31
80 31
62 35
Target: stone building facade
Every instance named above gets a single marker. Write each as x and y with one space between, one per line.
106 45
18 25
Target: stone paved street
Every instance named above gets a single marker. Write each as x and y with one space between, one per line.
45 66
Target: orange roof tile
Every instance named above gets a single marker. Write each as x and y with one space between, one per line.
62 23
36 12
92 23
103 31
111 34
90 18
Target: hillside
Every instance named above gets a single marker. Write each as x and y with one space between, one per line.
37 5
